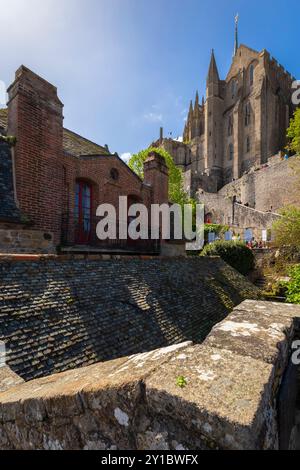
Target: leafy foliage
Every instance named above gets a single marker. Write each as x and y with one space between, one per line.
215 228
177 194
236 254
287 229
293 287
293 132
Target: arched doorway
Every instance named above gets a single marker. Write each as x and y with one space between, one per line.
208 218
83 212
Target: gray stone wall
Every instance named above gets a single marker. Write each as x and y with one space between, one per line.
229 399
269 186
247 218
265 191
26 241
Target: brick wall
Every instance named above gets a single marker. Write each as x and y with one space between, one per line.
97 172
46 175
35 118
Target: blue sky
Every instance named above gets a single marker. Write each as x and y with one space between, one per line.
124 68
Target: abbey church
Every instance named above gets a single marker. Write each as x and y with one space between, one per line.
241 123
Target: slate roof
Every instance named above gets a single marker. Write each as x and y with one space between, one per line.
53 318
73 143
3 118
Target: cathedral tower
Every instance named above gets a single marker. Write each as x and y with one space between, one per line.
214 125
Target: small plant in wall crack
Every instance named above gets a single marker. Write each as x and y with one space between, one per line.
181 382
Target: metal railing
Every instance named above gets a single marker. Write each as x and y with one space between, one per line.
82 232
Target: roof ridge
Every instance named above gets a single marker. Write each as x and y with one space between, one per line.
250 48
72 145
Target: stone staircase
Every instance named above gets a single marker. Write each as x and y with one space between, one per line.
262 283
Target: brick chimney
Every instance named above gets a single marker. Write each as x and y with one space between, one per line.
35 118
156 174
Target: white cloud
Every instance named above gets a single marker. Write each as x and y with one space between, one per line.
3 95
153 117
179 139
126 157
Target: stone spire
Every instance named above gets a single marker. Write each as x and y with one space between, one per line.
213 74
191 110
197 100
236 36
188 124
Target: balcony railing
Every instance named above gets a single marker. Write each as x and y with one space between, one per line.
82 233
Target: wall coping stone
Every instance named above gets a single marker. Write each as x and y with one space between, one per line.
229 401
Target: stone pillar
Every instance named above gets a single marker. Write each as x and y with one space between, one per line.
161 136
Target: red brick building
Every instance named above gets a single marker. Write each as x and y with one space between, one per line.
60 178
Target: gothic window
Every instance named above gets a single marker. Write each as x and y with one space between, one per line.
114 174
230 125
208 218
230 152
233 88
248 144
247 114
83 212
251 74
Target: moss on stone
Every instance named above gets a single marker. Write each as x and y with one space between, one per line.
10 140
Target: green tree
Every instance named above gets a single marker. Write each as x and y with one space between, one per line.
293 287
287 228
177 194
293 133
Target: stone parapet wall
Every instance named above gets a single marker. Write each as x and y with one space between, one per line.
248 218
265 191
230 398
237 216
270 186
26 241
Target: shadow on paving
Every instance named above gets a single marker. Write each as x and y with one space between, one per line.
57 316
